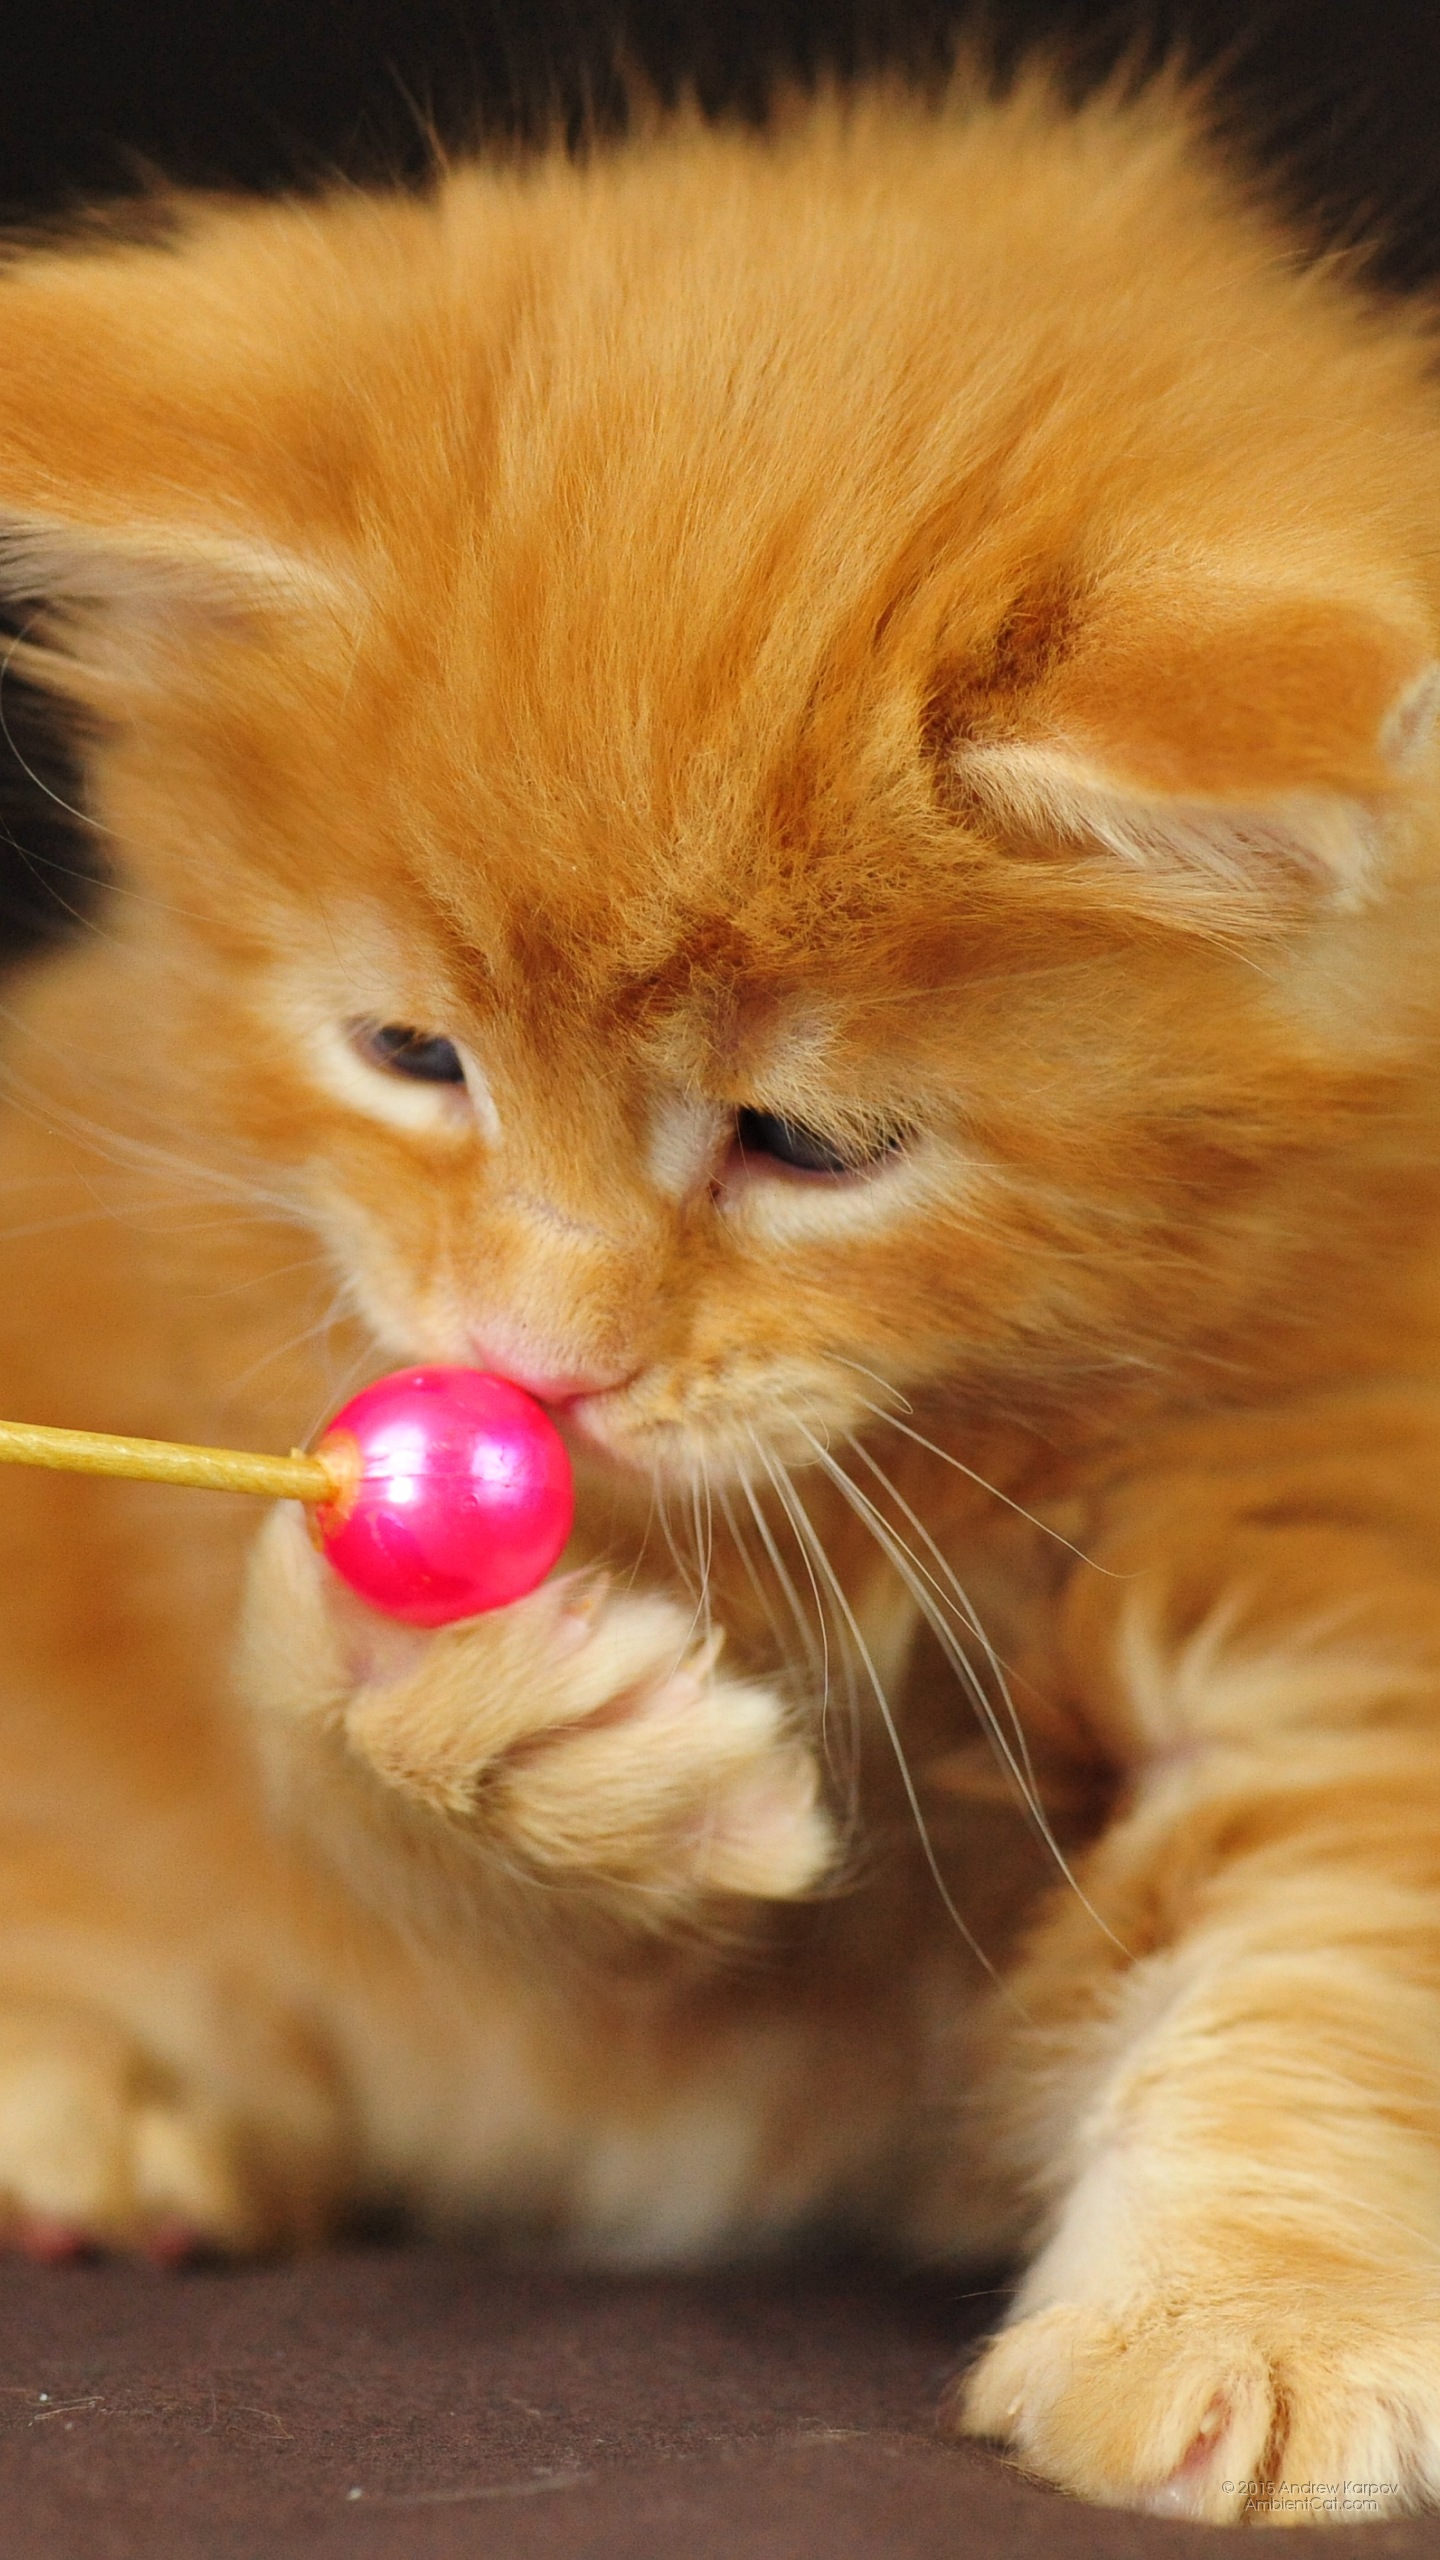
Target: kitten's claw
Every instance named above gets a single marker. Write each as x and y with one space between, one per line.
1222 2401
584 1728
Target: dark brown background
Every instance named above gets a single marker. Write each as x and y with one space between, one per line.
475 2409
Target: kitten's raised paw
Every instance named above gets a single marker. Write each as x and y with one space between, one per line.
100 2150
1227 2408
586 1729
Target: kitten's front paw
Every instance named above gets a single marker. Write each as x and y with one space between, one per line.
1242 2394
102 2147
584 1728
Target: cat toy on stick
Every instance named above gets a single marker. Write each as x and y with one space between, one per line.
436 1493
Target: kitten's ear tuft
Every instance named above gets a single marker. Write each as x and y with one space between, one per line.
1229 752
101 613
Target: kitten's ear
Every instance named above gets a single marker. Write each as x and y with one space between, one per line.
1231 753
101 613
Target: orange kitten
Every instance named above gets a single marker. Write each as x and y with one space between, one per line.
785 787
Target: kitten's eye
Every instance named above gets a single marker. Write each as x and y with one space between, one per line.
401 1050
764 1133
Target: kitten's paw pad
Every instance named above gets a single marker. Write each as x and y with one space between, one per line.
1215 2412
99 2153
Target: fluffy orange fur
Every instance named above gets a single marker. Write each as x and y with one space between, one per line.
916 630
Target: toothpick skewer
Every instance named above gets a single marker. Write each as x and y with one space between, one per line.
436 1493
104 1453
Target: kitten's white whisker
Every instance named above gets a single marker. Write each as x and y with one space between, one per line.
128 1204
296 1341
263 1279
882 1383
56 1226
969 1612
1022 1777
82 817
642 1548
668 1534
915 1576
686 1575
45 869
109 887
782 1573
139 1155
704 1543
741 1549
950 1460
803 1530
128 1151
912 1794
338 1389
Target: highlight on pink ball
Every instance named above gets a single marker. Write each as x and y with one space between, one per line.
459 1499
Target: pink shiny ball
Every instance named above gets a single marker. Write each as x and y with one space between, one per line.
459 1495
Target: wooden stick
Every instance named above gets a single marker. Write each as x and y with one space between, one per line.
105 1453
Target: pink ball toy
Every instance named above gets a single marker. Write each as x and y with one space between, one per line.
457 1494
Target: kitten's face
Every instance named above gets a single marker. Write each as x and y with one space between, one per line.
720 1188
713 1122
733 854
704 1146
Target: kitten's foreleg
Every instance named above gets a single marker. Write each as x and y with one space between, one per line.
1238 2295
104 2145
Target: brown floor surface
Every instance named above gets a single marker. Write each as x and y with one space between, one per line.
424 2404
